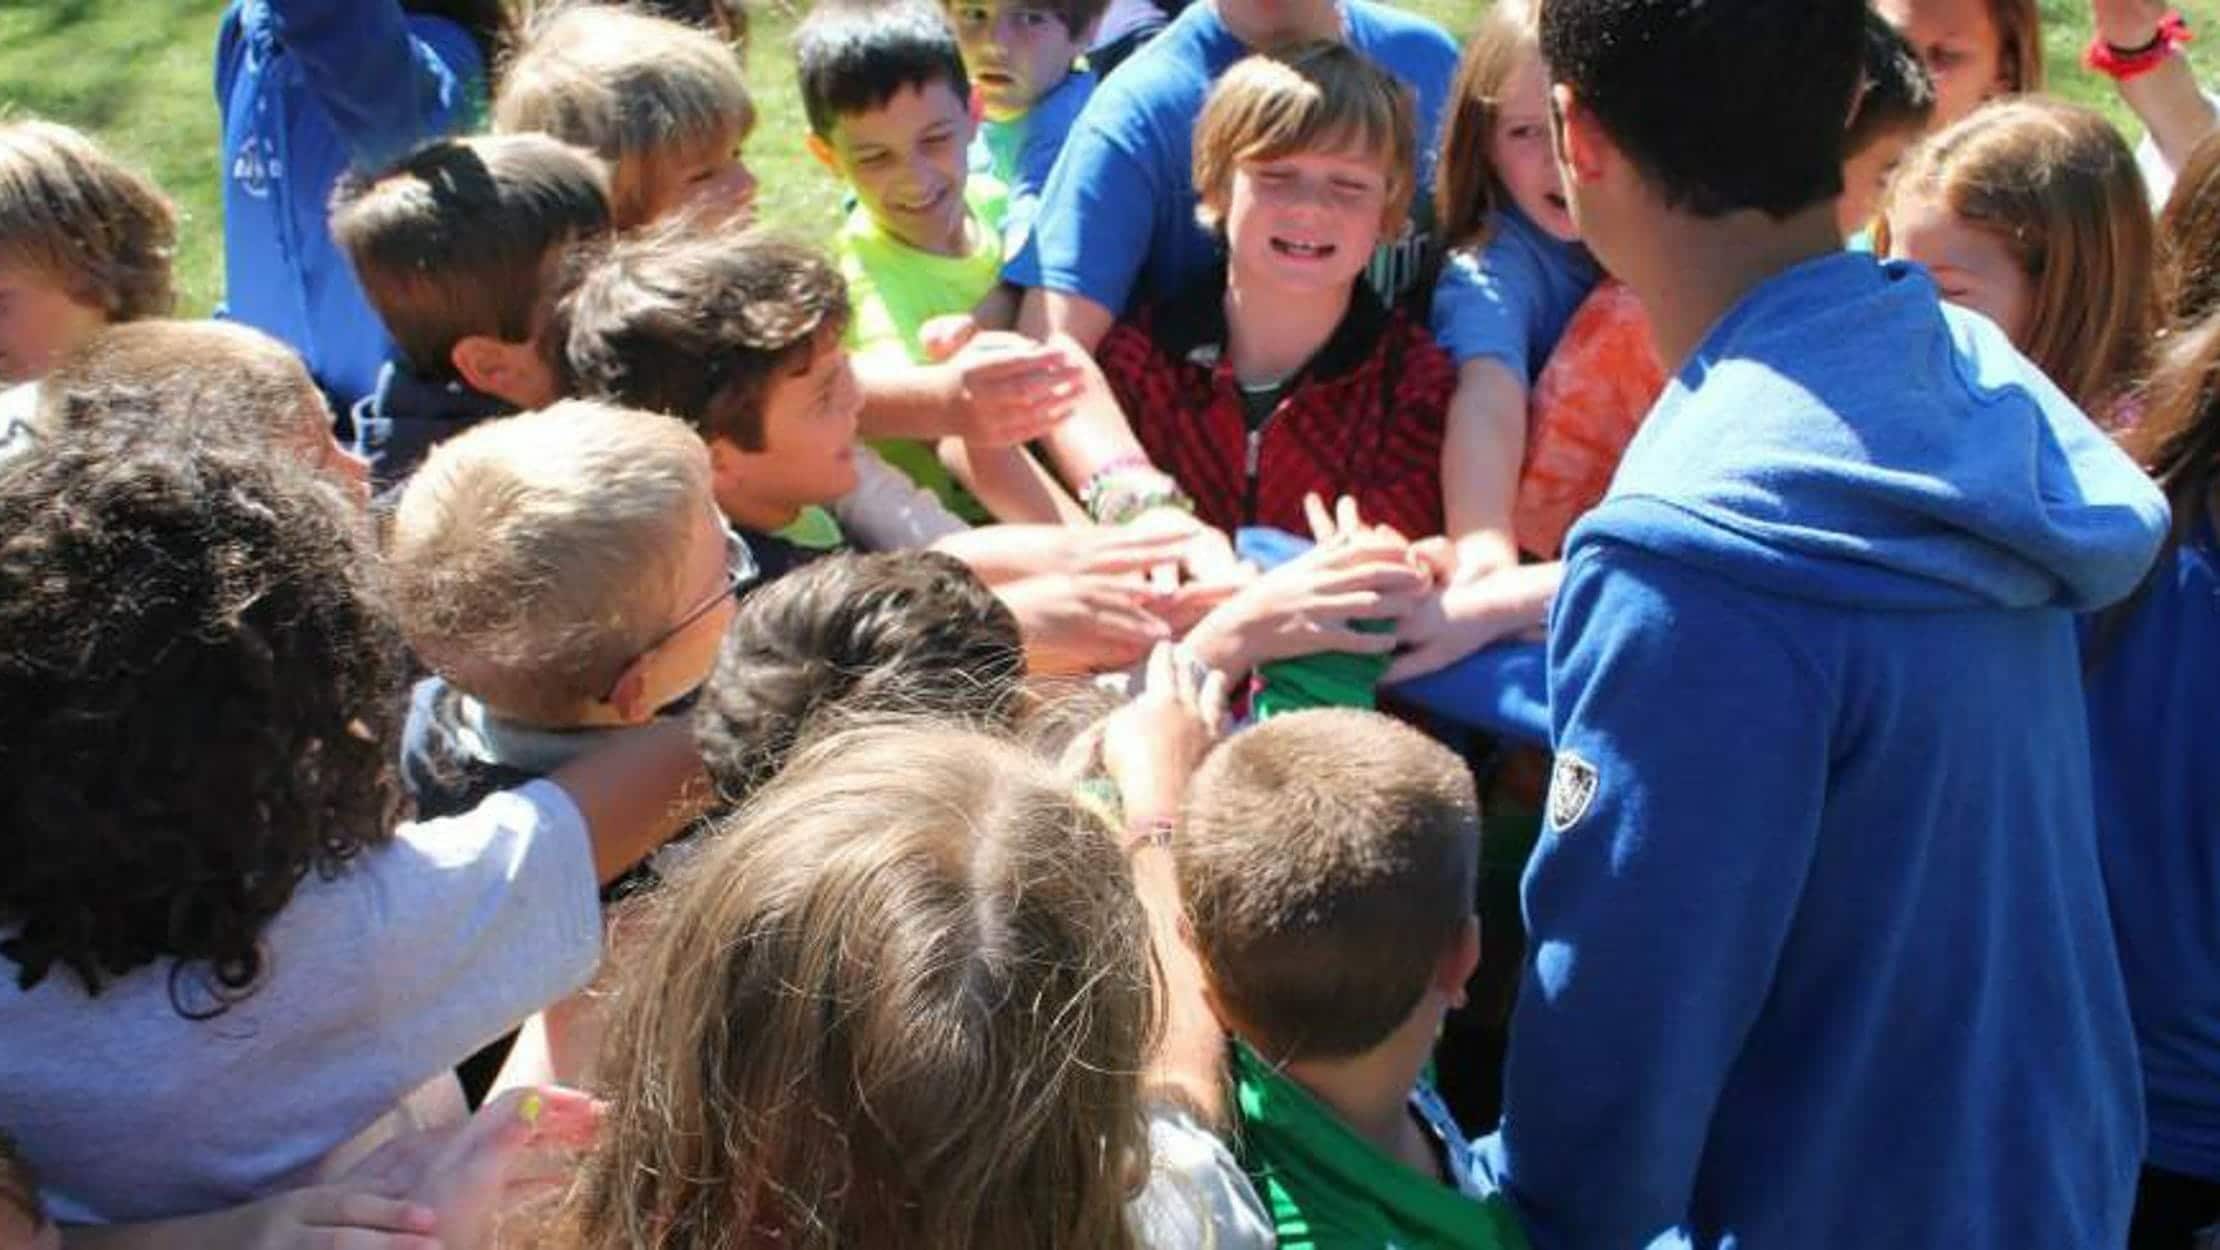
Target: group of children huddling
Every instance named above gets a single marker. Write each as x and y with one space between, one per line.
943 951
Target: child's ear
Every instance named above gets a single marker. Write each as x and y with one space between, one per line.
1458 962
629 697
1581 143
507 371
823 152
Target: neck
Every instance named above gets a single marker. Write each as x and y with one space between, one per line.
1371 1093
764 516
1271 334
1693 270
958 241
1325 25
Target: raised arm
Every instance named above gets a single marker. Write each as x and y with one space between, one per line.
385 88
2166 98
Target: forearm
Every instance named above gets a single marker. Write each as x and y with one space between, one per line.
1006 553
1483 447
1011 483
1515 600
636 793
902 400
2172 109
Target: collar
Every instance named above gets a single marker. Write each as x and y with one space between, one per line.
491 738
1192 329
405 394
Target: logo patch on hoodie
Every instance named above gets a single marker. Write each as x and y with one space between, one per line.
1572 788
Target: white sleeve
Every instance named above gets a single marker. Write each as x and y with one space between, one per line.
888 512
1197 1197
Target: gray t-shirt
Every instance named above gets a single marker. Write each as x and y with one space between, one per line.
375 982
1197 1197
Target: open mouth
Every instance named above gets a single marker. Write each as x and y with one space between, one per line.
921 207
995 78
1299 250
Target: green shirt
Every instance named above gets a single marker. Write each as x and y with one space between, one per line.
894 289
1330 1189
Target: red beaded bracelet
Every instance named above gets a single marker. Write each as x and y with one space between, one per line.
2129 64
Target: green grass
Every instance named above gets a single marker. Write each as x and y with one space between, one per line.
137 74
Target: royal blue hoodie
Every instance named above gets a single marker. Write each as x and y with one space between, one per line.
2154 684
308 88
1819 947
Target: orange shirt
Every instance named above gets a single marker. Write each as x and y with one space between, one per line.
1584 409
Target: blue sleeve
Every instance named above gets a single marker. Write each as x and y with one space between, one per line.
1681 824
1095 221
1487 306
386 85
1044 141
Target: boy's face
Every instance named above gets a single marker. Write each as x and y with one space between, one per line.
680 663
1015 53
1307 221
1960 45
1971 266
40 322
906 161
809 434
1519 148
1865 176
709 180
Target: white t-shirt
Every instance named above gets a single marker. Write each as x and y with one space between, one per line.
1197 1197
374 983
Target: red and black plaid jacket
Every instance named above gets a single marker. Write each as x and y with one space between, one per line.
1363 418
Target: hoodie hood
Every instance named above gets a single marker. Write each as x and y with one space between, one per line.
1842 436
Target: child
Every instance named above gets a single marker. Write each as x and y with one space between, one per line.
890 115
566 576
661 102
1283 375
1976 50
1333 972
457 246
2031 213
849 635
1895 108
308 91
84 241
1844 551
184 376
943 968
1029 70
210 914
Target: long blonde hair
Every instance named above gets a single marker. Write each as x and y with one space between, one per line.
1466 189
2058 186
903 999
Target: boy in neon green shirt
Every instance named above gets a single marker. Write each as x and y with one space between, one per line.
1327 868
890 114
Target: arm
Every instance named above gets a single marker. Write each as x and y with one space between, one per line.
2167 100
636 793
1659 906
1483 445
1011 483
384 89
997 389
889 512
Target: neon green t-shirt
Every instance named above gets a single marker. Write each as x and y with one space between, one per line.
894 289
1329 1189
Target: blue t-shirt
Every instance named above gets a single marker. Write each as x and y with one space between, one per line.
1510 301
2153 686
1116 222
308 89
1019 153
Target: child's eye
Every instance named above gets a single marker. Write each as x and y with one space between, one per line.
1940 59
972 17
1032 19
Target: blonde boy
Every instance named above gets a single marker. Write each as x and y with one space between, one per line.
662 102
84 241
566 575
1326 865
456 246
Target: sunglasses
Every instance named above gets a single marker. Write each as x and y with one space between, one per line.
740 572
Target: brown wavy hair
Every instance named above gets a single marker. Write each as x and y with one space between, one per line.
1466 191
202 692
2189 238
903 999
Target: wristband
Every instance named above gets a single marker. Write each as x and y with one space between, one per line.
1119 492
2128 64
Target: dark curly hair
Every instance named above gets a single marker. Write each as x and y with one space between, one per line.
202 689
908 633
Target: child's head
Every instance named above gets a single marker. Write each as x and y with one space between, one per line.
1305 161
190 375
456 247
900 633
84 241
203 691
23 1222
1733 108
1495 151
2031 212
566 567
739 335
890 112
903 999
662 102
2189 238
1975 49
1020 50
1894 108
1327 864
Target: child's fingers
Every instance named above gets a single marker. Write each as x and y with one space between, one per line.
335 1207
1347 516
1163 664
1355 642
1212 703
1321 521
1363 605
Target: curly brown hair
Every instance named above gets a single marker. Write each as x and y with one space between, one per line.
202 689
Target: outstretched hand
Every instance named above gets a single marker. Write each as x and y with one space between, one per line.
1152 745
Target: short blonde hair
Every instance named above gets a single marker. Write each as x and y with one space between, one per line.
531 558
193 376
1313 97
2057 185
902 999
640 91
1328 860
99 230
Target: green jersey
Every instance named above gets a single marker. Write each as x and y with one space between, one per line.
1330 1189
